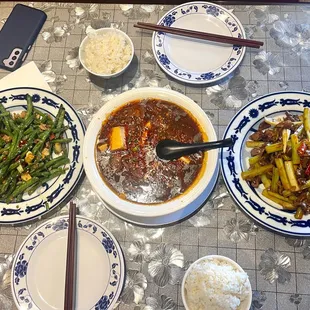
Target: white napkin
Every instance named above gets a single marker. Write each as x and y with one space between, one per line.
26 76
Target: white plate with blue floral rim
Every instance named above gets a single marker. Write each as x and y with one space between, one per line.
234 160
54 192
39 267
197 61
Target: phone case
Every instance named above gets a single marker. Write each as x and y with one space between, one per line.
18 35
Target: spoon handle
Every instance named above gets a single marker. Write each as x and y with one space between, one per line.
194 148
214 144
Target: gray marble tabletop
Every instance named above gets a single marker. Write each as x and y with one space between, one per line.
278 267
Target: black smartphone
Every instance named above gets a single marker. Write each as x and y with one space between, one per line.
18 35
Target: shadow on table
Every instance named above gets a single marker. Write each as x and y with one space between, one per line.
114 83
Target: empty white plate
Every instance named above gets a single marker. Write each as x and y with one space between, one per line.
38 273
193 60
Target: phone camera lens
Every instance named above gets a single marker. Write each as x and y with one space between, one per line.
17 53
11 63
14 57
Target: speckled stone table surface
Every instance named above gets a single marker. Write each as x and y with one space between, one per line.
278 267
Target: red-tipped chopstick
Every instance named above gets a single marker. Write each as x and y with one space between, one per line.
70 265
200 35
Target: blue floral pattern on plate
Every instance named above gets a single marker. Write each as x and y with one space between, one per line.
234 161
57 190
230 21
213 9
106 301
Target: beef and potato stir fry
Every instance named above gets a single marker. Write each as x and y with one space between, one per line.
280 160
126 156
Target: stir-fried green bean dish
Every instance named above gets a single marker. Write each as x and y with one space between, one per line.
280 160
32 150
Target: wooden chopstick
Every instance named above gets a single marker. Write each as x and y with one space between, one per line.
70 264
200 35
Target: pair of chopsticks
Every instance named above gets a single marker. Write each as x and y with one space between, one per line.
70 264
200 35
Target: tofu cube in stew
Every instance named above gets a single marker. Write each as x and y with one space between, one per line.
117 138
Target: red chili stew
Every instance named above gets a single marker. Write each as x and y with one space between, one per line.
126 157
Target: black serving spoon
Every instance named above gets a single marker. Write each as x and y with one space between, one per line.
171 149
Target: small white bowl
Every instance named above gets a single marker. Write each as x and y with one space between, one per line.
102 31
245 304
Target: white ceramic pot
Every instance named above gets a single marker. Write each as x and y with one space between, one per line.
141 210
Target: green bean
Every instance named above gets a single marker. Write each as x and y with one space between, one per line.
40 174
60 130
4 114
44 180
14 165
44 119
28 131
43 134
19 120
36 167
6 148
61 140
39 112
4 187
6 132
60 121
57 118
29 107
19 197
7 185
22 188
49 121
40 144
11 189
54 160
3 171
25 148
61 163
63 170
2 143
5 118
14 146
27 122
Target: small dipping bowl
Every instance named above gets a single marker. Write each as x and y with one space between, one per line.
245 304
99 32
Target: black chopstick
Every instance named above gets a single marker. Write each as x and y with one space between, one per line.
200 35
70 264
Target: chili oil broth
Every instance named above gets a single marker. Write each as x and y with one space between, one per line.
136 173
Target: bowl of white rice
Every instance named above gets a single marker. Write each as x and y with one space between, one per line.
216 282
106 52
